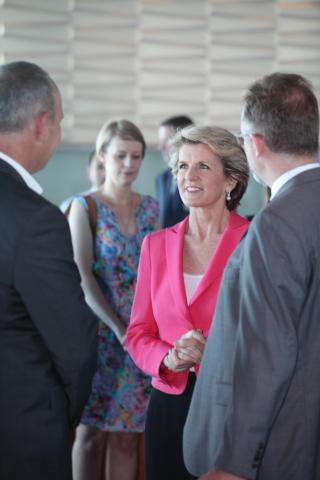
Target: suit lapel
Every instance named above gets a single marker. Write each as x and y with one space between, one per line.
235 230
174 253
9 170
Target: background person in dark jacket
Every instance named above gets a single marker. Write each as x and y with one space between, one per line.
172 209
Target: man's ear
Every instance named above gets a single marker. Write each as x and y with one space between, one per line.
258 144
41 125
100 157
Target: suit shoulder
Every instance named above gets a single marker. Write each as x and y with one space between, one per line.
161 235
156 236
237 221
22 203
295 211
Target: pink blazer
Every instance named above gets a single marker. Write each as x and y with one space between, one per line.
160 313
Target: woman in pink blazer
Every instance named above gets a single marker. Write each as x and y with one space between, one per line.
180 272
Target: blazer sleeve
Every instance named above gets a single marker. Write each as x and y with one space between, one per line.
48 282
142 340
273 282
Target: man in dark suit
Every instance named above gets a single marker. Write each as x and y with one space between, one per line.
172 209
48 335
255 412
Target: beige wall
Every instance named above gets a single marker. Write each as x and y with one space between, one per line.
147 59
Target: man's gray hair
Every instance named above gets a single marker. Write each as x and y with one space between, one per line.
25 90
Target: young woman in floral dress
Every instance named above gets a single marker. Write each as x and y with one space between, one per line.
107 231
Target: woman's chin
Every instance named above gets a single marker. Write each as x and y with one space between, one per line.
193 204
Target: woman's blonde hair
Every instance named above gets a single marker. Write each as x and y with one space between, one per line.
225 146
123 129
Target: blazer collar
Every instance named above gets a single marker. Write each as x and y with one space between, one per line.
233 233
228 242
23 174
174 253
9 170
306 176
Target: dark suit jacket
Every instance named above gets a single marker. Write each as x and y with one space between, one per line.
172 209
47 336
256 406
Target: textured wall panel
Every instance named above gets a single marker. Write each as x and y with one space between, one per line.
41 32
104 52
148 59
241 49
299 38
172 62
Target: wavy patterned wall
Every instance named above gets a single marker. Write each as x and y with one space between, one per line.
148 59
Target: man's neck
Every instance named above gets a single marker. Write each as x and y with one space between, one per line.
281 164
289 174
16 146
24 174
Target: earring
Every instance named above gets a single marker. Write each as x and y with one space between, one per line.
228 197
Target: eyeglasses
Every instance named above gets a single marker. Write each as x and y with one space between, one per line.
241 136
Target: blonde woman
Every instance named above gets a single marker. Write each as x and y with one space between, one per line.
179 277
107 231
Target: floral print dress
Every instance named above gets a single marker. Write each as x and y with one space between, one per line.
120 391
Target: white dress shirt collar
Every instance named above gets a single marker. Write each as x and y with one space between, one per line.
290 174
29 180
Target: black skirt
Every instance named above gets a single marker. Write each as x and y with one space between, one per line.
163 434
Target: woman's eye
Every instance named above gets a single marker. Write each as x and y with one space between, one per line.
204 166
181 166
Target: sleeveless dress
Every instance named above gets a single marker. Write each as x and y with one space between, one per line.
120 391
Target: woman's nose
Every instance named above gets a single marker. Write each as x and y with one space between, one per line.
127 161
191 172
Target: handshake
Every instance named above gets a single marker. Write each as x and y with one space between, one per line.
186 352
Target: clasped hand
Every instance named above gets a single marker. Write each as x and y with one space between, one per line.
186 352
